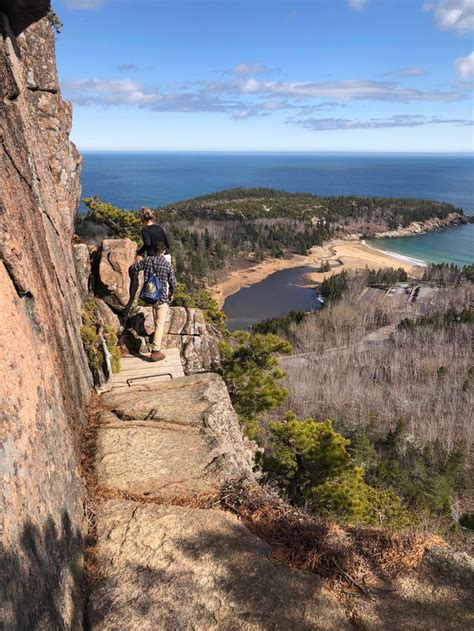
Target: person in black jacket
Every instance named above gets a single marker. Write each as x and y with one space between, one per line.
151 233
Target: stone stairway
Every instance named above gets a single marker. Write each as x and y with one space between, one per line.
172 567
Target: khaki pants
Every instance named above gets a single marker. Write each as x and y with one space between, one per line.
159 317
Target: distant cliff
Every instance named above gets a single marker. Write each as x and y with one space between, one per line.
45 379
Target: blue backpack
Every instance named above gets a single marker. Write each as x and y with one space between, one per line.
151 291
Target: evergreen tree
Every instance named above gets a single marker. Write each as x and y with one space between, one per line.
251 371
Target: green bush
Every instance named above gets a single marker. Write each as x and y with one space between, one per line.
251 371
279 326
333 287
124 224
310 461
54 21
425 478
467 520
204 301
92 332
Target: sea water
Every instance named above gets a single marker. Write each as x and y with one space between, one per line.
132 180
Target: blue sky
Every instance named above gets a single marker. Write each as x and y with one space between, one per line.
269 75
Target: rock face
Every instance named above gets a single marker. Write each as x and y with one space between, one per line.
48 382
174 568
116 256
186 425
82 258
420 227
185 329
182 569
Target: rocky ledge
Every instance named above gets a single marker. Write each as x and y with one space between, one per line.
103 275
420 227
380 231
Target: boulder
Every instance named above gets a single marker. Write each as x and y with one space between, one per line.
116 256
186 425
142 321
107 315
185 329
199 353
195 323
82 259
176 320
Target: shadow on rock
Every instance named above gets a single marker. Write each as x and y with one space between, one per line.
41 585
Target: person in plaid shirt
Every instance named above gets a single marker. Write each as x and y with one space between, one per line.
157 265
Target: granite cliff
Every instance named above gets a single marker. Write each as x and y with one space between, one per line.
45 379
183 536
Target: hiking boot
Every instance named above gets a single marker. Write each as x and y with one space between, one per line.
157 356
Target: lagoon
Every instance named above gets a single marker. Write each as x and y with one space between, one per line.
272 297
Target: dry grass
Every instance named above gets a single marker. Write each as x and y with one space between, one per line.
356 554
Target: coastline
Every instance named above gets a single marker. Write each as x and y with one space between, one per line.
342 254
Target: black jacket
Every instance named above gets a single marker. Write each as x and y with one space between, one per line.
151 235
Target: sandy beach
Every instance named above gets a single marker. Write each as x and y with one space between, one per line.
342 255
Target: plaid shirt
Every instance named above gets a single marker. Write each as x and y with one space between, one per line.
159 266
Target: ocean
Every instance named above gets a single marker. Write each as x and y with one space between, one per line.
132 180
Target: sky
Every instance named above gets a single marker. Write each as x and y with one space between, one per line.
268 75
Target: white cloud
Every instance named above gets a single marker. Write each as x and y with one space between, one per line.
399 120
340 90
244 98
408 72
453 14
465 66
117 92
242 69
357 5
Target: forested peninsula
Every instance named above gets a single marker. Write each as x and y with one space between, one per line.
210 233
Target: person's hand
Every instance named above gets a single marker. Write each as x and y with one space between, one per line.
170 298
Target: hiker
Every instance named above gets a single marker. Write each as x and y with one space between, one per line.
152 233
158 289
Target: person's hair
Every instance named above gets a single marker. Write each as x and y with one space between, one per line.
146 214
158 248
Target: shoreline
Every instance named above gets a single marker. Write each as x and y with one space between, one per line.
347 254
401 257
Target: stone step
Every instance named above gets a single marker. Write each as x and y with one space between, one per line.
183 569
175 438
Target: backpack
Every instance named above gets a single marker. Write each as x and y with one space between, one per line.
151 291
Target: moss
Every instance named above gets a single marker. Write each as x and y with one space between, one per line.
92 333
111 341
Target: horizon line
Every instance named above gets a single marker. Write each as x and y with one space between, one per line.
277 151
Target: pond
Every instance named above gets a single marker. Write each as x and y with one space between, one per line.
273 297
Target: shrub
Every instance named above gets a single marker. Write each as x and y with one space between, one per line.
251 371
310 461
122 223
204 301
93 334
333 287
54 21
467 520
